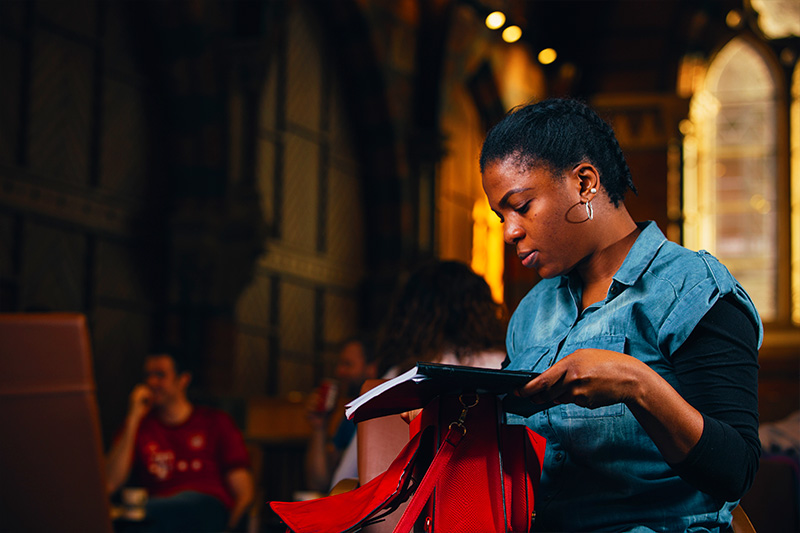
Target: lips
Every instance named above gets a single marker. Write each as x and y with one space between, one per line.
528 258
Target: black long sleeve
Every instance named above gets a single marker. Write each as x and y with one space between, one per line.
717 368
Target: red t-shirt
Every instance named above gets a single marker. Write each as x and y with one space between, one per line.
195 455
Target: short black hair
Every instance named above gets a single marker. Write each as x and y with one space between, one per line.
560 133
367 341
179 359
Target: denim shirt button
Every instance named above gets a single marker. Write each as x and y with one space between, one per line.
559 456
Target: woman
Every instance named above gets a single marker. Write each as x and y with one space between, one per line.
648 350
443 313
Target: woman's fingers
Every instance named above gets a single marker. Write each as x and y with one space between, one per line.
546 387
587 377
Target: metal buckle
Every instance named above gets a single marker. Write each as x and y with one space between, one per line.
460 422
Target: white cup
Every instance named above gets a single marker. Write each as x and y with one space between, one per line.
134 500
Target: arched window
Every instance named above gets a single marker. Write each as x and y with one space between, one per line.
795 192
730 171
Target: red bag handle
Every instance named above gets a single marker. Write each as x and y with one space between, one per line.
440 461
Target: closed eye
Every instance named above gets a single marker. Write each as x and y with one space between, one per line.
523 208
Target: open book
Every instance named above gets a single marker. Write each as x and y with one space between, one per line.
417 387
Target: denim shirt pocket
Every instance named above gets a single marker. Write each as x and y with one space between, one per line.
614 343
532 358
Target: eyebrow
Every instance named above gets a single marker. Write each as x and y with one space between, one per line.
504 200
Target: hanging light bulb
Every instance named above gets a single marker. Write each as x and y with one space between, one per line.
547 56
733 19
495 20
512 34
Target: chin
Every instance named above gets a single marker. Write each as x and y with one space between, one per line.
547 273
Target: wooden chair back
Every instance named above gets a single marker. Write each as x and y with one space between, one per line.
51 454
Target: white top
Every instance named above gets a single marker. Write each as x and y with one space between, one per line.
348 464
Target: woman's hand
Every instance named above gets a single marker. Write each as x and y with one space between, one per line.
589 378
595 378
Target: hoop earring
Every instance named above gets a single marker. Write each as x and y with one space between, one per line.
589 210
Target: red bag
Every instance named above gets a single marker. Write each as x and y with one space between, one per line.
482 477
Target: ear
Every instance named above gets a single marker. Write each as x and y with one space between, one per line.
185 379
589 179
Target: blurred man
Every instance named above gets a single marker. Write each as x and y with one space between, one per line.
191 459
324 458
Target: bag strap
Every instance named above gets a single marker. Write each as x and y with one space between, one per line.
455 434
440 461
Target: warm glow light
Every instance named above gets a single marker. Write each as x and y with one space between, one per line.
495 20
733 19
512 34
488 247
760 204
547 56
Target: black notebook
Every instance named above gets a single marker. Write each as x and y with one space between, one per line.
417 387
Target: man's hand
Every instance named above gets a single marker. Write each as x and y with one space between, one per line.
120 458
140 401
318 419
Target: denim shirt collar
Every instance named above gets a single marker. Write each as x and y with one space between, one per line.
639 257
641 254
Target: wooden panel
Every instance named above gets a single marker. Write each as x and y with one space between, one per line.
10 66
121 340
341 136
269 107
7 246
122 273
300 195
649 171
340 317
265 178
297 320
61 108
12 14
252 308
304 76
778 386
23 192
345 224
276 419
79 16
123 148
251 364
118 59
294 375
53 268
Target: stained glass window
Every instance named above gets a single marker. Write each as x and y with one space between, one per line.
730 179
794 136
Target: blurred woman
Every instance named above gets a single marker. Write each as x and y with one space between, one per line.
443 313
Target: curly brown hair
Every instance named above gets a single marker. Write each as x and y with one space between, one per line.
443 306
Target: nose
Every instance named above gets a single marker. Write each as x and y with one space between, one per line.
512 233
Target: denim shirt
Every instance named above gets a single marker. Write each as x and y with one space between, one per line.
601 470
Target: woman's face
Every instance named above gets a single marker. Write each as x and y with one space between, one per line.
541 213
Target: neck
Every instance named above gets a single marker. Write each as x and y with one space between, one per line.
613 246
175 412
